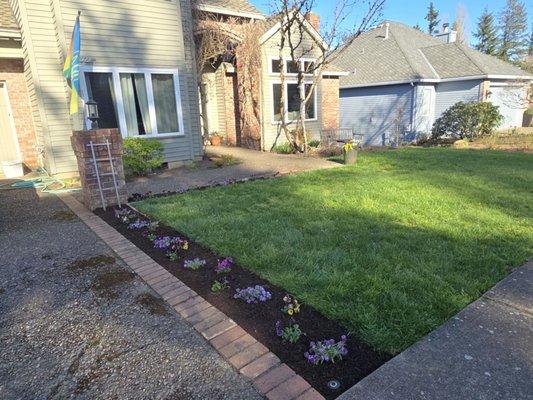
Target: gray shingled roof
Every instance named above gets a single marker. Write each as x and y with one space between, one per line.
241 6
410 55
7 20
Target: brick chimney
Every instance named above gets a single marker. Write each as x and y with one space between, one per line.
314 20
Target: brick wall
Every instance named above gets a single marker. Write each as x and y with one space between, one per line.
330 103
86 168
232 107
12 72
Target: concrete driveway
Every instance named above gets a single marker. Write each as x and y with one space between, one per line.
75 323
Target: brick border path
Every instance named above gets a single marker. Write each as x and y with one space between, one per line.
270 377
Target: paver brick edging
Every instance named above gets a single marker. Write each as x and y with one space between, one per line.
254 361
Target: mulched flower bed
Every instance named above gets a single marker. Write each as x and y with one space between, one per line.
259 319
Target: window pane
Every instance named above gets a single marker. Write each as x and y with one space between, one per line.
165 103
292 67
100 89
309 67
276 101
275 66
310 105
135 104
293 100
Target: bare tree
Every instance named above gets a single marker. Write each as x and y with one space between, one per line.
294 48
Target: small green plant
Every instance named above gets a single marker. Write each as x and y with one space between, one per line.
220 285
290 333
195 264
142 156
226 160
284 148
314 143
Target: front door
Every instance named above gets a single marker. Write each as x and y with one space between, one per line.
9 148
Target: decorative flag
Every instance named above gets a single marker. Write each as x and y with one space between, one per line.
71 69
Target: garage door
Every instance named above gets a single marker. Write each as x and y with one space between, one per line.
511 101
377 112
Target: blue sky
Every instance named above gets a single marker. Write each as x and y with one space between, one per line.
412 12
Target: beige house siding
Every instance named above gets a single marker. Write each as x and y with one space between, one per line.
134 33
272 133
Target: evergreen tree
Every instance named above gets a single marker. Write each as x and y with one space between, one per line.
486 33
417 27
530 51
431 18
513 26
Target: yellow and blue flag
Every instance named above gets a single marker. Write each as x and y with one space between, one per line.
71 68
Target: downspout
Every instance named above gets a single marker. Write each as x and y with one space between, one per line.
413 104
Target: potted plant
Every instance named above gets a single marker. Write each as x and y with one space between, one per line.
216 139
349 150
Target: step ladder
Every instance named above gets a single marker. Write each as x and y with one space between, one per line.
99 175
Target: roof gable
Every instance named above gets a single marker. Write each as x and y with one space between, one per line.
272 25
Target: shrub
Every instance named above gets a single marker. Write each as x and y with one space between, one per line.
314 143
142 156
467 120
284 148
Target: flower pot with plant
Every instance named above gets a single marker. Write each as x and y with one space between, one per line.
349 150
216 139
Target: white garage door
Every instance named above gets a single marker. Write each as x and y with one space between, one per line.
511 100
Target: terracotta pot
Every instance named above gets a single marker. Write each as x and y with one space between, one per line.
216 140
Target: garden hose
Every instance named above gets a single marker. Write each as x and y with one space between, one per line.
42 182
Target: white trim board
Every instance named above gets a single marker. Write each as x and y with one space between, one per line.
225 11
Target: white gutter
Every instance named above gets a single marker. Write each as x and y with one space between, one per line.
335 73
225 11
442 80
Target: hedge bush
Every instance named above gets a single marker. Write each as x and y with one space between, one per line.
467 120
142 156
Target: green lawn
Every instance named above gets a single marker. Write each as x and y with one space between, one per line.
391 247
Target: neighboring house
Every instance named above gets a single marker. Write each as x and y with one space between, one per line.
400 80
137 64
228 94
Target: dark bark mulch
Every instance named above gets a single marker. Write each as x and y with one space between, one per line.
259 319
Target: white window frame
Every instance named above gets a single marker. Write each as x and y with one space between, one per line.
292 82
285 61
148 72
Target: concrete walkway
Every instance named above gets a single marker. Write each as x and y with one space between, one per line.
253 164
485 352
75 323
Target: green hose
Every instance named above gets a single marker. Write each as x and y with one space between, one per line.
42 182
